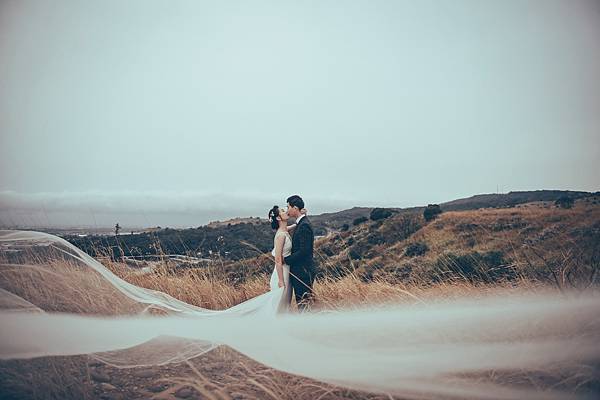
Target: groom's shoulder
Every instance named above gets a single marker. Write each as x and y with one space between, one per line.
306 222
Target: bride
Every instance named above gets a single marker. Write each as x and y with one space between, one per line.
282 247
278 299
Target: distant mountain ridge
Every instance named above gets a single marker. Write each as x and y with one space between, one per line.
236 221
510 199
240 238
336 220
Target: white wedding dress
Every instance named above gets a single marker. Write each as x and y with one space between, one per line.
286 295
277 299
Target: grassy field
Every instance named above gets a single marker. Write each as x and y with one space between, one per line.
467 254
531 246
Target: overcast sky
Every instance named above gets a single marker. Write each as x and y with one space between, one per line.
178 113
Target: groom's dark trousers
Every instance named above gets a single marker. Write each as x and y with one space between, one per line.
302 272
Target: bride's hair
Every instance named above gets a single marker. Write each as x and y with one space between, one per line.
273 214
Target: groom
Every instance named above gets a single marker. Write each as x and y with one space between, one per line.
302 273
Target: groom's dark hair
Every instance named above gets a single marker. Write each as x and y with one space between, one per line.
296 201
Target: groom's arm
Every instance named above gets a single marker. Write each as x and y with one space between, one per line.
304 238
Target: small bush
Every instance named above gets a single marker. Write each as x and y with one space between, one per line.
355 253
359 220
401 228
431 212
401 273
375 238
360 249
379 214
345 227
328 251
375 225
487 267
368 273
320 231
416 249
564 202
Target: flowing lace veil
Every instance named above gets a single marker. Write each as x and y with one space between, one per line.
57 300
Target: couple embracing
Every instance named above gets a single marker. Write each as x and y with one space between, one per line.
293 251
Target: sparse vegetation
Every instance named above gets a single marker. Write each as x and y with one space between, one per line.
416 249
431 212
380 213
398 259
359 220
221 241
489 267
564 202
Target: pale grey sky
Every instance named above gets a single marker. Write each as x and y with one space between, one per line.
177 113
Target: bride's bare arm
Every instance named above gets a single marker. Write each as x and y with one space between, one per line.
291 228
279 257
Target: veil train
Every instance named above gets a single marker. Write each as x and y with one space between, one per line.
57 300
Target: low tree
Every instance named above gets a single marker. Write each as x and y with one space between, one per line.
431 212
380 213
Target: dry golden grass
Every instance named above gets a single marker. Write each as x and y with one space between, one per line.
62 286
225 374
537 241
521 234
200 289
195 287
507 229
78 289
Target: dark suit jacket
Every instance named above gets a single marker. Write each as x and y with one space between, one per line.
302 246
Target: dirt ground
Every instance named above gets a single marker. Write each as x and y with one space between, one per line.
219 374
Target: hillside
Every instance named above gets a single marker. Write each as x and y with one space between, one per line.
510 199
236 221
536 240
323 223
219 241
335 221
242 238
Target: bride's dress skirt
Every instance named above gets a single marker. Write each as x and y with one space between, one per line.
285 296
275 301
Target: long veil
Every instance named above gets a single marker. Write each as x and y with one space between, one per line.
57 300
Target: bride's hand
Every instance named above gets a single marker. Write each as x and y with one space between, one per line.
304 211
280 284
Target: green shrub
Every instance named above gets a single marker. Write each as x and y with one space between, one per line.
320 231
375 238
379 214
416 249
401 228
564 202
359 220
359 249
486 267
431 212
